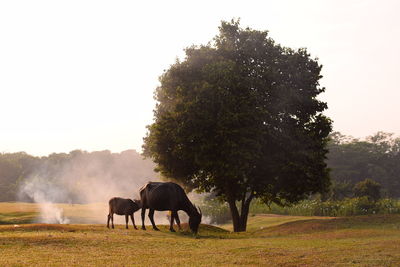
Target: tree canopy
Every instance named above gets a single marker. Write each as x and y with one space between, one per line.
240 117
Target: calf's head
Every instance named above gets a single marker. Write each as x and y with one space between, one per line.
137 205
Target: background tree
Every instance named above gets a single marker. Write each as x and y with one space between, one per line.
76 177
377 157
368 188
240 118
340 190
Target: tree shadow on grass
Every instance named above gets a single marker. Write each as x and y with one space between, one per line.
17 218
205 232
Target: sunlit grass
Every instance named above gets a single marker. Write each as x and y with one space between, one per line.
12 212
270 241
261 221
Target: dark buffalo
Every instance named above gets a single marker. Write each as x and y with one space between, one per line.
168 196
122 206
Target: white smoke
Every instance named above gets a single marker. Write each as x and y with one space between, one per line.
52 214
77 190
45 195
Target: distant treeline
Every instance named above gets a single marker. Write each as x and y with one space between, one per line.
76 177
91 176
352 160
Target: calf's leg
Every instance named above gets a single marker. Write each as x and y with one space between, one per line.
126 220
133 221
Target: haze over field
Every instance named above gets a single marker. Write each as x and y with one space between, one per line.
83 178
81 74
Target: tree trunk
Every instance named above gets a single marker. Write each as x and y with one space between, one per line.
240 220
244 214
235 215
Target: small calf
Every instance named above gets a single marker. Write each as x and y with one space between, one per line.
122 206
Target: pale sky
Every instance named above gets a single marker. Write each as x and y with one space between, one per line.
81 74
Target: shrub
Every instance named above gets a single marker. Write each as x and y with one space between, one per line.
368 188
219 212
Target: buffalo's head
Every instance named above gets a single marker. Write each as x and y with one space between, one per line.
195 219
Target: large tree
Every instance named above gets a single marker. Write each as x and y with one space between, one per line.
239 117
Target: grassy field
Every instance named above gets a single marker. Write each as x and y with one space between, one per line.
270 241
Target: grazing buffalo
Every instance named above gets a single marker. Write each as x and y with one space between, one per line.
168 196
122 206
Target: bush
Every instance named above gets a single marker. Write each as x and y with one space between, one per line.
219 212
346 207
368 188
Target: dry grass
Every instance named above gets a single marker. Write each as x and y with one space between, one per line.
270 241
8 207
95 213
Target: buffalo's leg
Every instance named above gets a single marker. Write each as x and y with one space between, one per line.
108 220
178 222
151 217
112 220
171 225
126 221
143 214
133 221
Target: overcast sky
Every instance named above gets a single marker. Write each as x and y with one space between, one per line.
81 74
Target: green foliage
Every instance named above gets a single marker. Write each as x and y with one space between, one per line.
14 167
216 211
240 117
368 188
377 157
219 213
340 190
346 207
